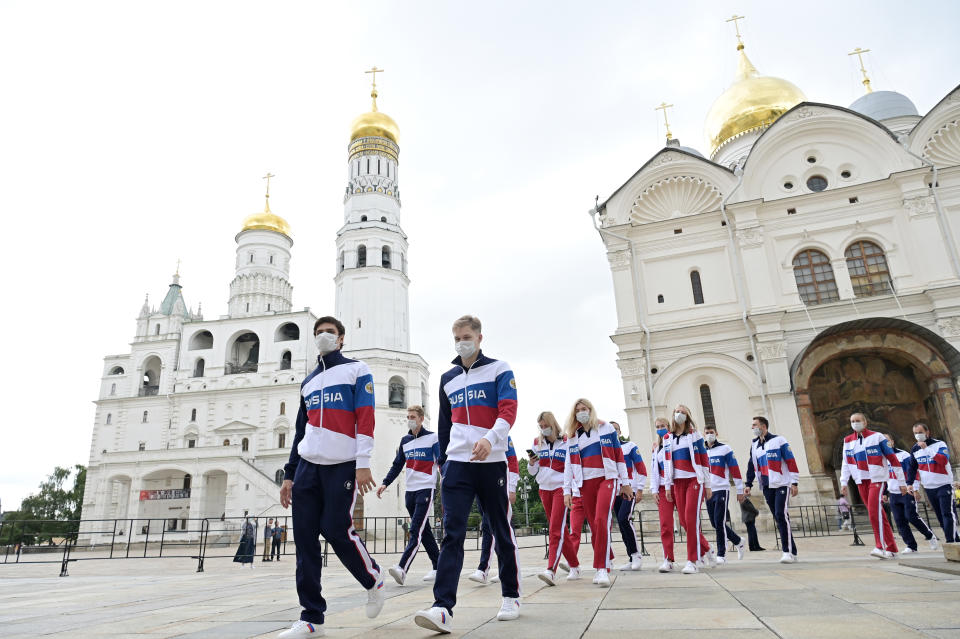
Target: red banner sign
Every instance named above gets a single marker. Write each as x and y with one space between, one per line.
169 493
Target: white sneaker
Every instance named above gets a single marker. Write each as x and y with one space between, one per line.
787 558
690 569
740 548
430 576
602 579
495 579
720 561
877 552
889 555
375 598
575 574
666 566
934 543
636 562
795 558
509 609
397 573
479 577
547 577
596 577
302 628
908 551
711 558
564 566
436 619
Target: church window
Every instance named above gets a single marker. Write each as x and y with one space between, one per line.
697 287
378 166
186 481
817 183
383 218
245 444
251 258
116 370
361 256
288 332
271 259
198 368
385 257
397 396
201 341
812 159
146 416
359 323
709 418
854 200
660 299
191 443
677 231
142 446
282 440
340 263
268 307
226 442
363 218
868 269
788 185
109 419
285 361
156 329
791 211
113 389
193 415
283 408
814 274
248 307
845 175
368 165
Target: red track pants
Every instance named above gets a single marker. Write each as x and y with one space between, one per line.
556 515
872 495
597 497
688 495
665 509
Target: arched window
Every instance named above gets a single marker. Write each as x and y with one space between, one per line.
201 341
814 275
226 442
146 416
283 408
116 370
109 419
697 287
198 368
385 257
363 218
383 218
193 415
244 444
113 389
340 263
868 269
285 361
706 400
278 477
361 256
288 332
186 481
397 396
156 329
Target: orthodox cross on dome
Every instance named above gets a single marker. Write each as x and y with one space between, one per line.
178 268
735 19
267 178
663 107
866 80
373 91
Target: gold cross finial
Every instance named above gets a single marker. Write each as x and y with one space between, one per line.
178 268
735 19
663 107
866 80
267 178
373 91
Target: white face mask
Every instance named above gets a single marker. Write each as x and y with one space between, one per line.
583 416
756 431
465 348
546 432
680 418
710 437
857 426
920 437
326 342
412 424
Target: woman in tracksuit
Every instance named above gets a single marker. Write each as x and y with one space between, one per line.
623 508
658 488
546 464
936 477
686 473
595 469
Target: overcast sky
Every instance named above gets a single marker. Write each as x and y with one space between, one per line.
134 134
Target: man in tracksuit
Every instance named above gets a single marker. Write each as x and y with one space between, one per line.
904 506
481 575
419 451
936 476
771 457
329 464
478 405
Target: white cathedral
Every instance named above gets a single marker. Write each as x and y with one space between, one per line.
805 269
196 421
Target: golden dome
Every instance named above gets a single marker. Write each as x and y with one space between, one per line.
753 101
266 221
374 124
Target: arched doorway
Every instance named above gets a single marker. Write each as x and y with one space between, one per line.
895 372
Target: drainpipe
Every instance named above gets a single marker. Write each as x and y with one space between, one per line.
942 220
594 212
741 292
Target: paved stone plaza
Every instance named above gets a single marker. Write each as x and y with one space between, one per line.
836 591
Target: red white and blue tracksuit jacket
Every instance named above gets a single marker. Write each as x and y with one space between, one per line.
551 460
418 454
868 455
657 479
336 418
933 464
774 461
636 469
513 467
723 468
475 403
685 457
593 454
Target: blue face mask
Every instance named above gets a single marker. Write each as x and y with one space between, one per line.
661 432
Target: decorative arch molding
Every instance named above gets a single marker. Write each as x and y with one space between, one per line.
940 116
943 147
805 244
675 196
281 423
867 236
669 376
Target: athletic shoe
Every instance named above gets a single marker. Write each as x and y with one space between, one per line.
795 558
596 577
711 558
547 577
889 555
666 566
479 577
436 619
602 579
690 569
397 573
375 598
575 573
430 576
509 609
787 558
635 563
302 628
564 566
908 551
877 552
934 543
740 547
495 579
721 561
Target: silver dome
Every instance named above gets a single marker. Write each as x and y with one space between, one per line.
883 105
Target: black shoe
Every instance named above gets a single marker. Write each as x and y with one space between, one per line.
757 549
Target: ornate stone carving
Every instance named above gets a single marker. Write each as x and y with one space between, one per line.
949 326
943 147
675 196
772 350
919 205
751 236
631 367
618 259
666 158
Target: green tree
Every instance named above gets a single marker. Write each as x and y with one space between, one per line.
52 512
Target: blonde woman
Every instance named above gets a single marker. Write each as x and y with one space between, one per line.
686 476
546 461
595 469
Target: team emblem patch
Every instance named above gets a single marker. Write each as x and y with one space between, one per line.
513 383
500 482
348 485
369 387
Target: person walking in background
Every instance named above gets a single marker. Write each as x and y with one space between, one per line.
687 478
904 506
546 462
276 538
623 508
748 515
843 513
772 458
723 469
936 477
418 453
248 544
482 574
595 466
267 540
659 490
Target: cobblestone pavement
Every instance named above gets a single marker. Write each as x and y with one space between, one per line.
835 591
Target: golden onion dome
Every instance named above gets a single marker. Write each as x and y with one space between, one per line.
753 101
266 221
374 124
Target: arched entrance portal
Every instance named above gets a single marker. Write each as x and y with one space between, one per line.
895 372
